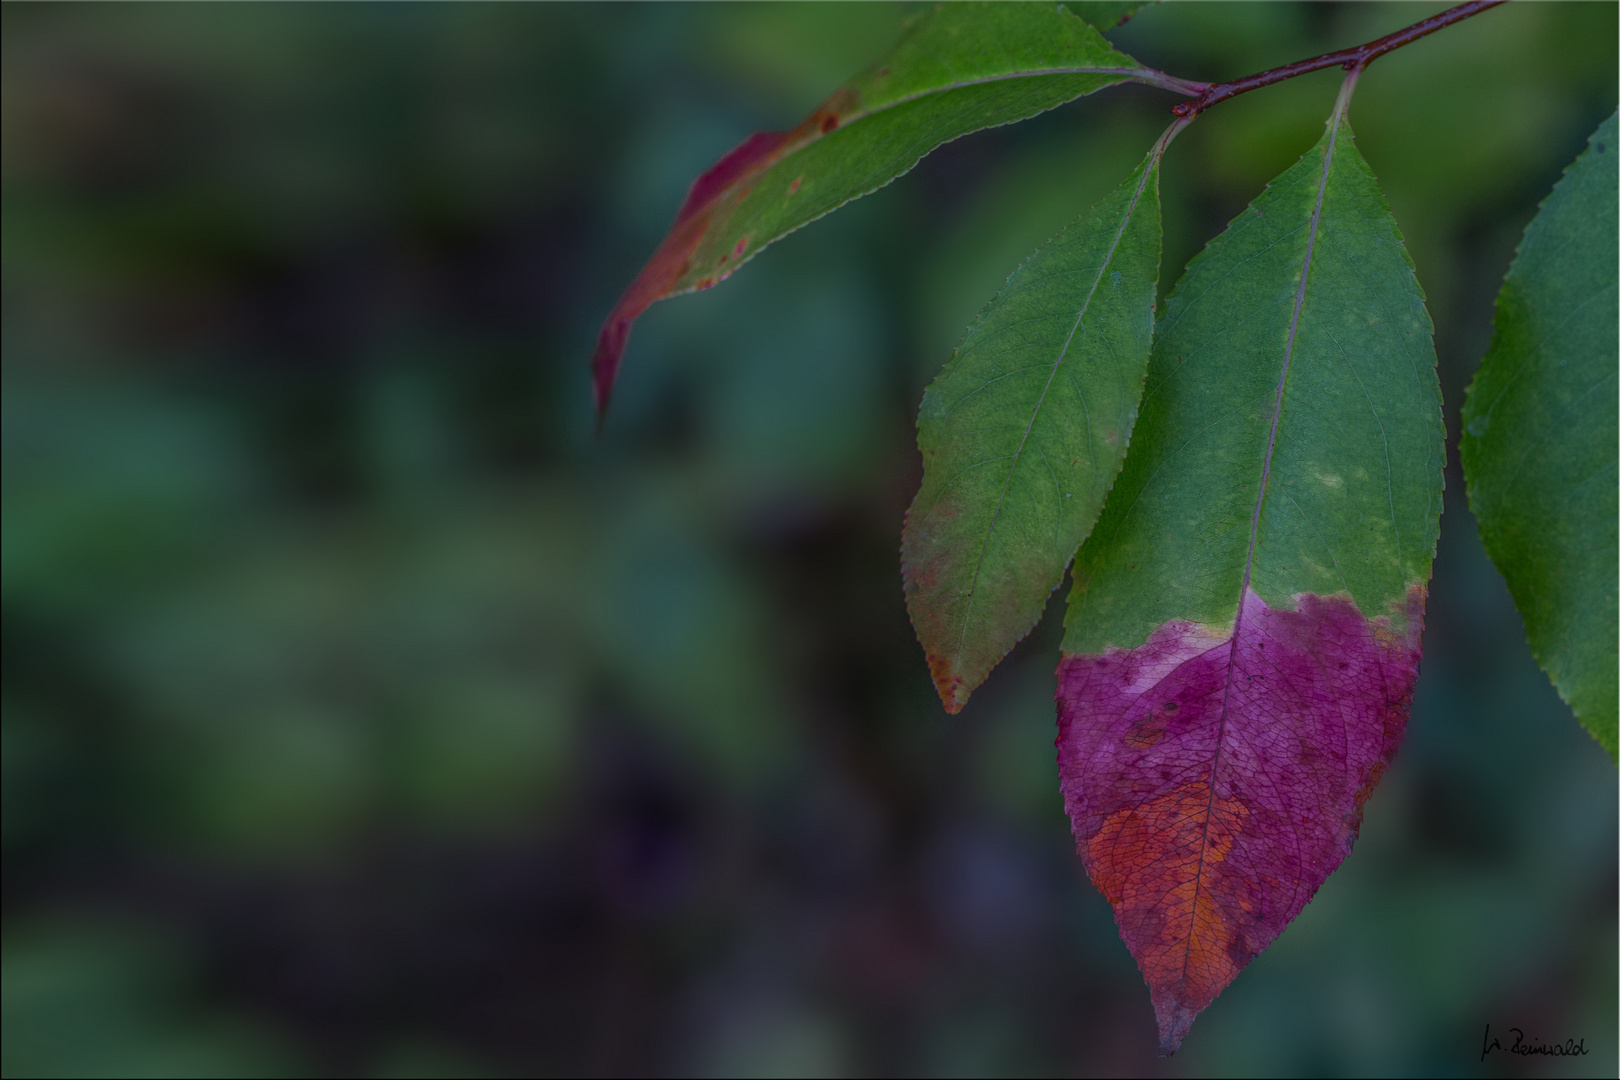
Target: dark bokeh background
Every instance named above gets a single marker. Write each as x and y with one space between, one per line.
363 714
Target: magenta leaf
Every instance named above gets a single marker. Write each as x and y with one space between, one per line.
1215 781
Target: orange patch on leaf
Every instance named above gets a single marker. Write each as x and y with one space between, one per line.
1161 868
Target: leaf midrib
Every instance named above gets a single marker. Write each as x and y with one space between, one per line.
1033 73
1259 502
1137 73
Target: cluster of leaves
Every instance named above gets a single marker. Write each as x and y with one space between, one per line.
1247 482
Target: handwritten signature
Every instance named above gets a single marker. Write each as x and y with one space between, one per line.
1567 1048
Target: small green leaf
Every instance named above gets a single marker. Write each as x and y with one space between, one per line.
1025 430
959 68
1539 435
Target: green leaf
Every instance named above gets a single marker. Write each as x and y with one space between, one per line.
960 68
1025 430
1539 435
1290 437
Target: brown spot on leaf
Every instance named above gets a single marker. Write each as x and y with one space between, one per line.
948 683
1373 776
1146 732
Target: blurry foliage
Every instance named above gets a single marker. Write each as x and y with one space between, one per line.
362 714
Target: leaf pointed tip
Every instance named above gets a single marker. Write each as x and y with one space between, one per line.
605 361
1175 1020
953 689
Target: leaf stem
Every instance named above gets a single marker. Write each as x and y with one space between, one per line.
1170 133
1165 81
1349 59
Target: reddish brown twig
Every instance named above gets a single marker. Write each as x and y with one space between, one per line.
1349 59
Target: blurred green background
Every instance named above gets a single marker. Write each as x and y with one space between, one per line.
363 715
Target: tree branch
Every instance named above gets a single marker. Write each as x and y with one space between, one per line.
1349 59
